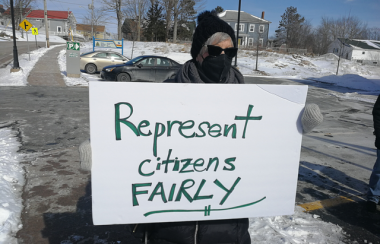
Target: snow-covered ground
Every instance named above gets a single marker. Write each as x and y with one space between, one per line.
315 69
11 183
298 228
28 36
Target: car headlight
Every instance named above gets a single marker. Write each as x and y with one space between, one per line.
110 69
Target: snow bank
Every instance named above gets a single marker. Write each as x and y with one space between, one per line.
298 228
11 183
351 81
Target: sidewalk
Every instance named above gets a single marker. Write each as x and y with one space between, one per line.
46 72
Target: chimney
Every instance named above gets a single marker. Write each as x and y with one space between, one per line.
262 14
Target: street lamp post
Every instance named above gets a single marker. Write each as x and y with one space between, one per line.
16 66
237 34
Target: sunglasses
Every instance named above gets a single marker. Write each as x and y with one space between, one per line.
216 51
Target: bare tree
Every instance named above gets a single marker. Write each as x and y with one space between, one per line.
21 8
168 11
115 6
96 18
349 27
184 9
136 9
373 33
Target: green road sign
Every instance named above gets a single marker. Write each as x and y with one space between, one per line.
73 46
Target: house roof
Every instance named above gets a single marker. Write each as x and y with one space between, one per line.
97 28
361 44
51 14
232 15
16 11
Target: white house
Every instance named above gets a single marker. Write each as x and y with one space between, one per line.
252 28
363 51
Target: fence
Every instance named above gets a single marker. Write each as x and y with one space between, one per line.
287 50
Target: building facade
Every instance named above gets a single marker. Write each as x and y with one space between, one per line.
61 23
253 30
362 51
86 30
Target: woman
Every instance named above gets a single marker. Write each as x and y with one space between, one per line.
212 50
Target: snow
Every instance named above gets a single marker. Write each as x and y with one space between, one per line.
372 44
298 228
28 36
11 183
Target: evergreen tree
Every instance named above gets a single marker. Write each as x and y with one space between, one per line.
154 23
219 9
129 29
289 30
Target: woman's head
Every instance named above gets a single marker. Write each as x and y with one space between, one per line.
211 30
219 39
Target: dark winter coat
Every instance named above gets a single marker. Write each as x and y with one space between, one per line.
376 121
229 231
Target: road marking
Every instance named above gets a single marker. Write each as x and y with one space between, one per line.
311 206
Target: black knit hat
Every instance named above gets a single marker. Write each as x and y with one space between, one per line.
208 24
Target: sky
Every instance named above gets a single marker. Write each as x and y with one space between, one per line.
366 10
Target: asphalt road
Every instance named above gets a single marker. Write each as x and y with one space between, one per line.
6 49
336 160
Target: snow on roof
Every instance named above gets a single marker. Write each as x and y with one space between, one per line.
232 15
361 44
373 44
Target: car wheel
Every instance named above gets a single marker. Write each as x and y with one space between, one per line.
123 77
91 68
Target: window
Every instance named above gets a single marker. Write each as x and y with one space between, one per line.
100 55
261 30
148 62
359 61
162 62
241 27
261 41
114 56
59 29
250 41
251 28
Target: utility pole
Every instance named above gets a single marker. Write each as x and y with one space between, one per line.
340 54
16 66
237 34
91 6
20 8
46 25
139 23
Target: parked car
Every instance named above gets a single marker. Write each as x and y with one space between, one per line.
142 68
93 62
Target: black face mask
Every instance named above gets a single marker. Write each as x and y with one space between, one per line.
216 68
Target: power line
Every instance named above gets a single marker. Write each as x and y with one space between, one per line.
66 2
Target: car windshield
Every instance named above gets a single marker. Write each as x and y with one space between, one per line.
135 60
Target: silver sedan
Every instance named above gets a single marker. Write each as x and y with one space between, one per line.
93 62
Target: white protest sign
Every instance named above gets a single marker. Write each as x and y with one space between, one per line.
181 152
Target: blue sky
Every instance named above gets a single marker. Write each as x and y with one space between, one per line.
366 10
